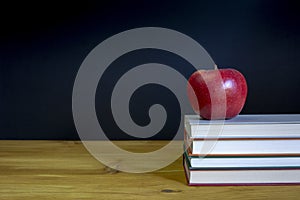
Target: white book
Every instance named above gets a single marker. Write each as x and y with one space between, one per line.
242 162
245 126
242 147
241 177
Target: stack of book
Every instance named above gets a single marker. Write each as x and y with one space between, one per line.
245 150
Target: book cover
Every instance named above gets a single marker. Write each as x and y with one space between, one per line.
242 162
242 177
245 126
229 149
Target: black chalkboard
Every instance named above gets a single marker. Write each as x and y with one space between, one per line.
43 45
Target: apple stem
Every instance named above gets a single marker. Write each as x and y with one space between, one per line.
216 67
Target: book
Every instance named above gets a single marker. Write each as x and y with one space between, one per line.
242 162
267 176
245 150
247 147
245 126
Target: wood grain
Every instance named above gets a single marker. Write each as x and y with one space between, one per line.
65 170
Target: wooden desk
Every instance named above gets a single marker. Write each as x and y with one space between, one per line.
65 170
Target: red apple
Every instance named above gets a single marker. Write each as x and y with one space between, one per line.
217 94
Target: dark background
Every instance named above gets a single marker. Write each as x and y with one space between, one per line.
42 46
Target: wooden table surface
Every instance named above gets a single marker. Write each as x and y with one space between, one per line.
65 170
